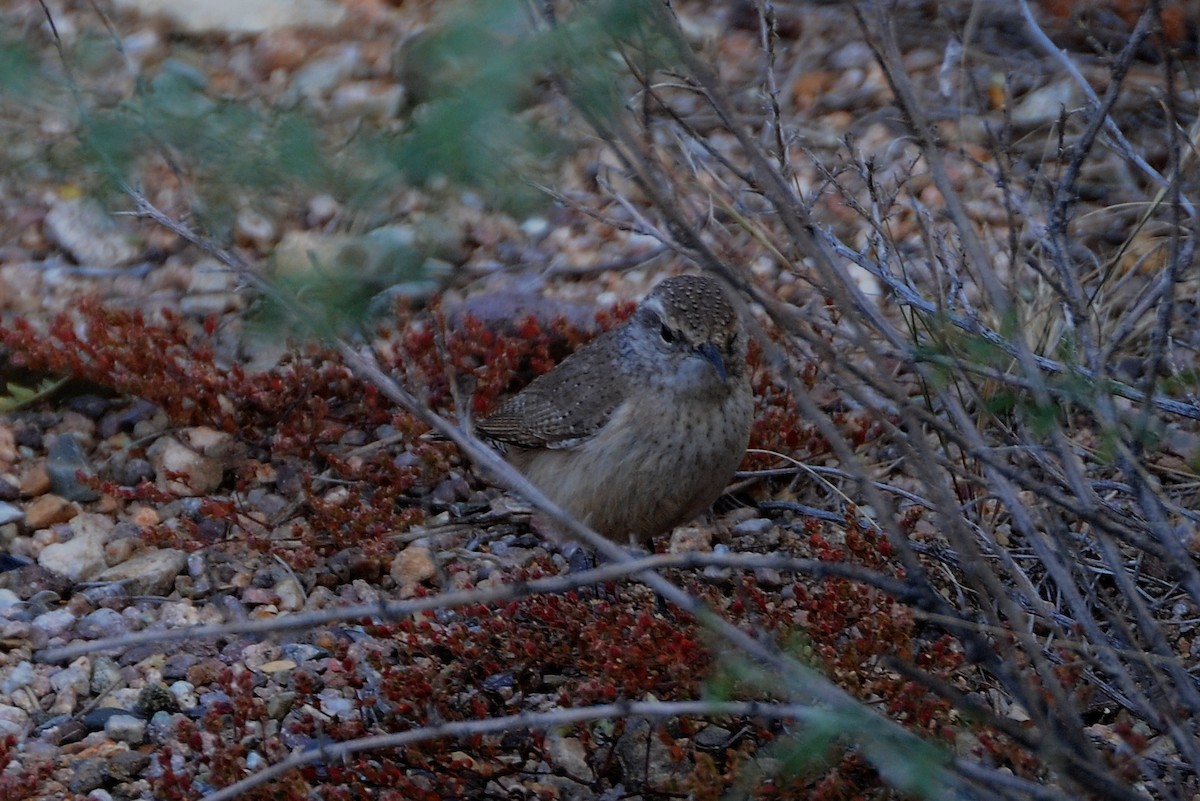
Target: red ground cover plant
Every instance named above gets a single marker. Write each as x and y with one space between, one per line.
592 646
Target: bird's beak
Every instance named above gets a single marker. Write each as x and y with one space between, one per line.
709 351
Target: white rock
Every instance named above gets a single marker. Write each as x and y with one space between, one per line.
200 474
238 16
81 557
83 229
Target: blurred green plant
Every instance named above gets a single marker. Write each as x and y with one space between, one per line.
475 82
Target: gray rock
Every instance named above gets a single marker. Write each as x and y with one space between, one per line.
128 765
86 775
101 624
10 513
106 675
161 729
126 729
54 623
279 704
73 677
755 525
65 462
98 718
149 572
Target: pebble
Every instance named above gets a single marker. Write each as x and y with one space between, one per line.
10 513
185 694
154 698
81 557
198 474
86 775
65 462
126 729
127 765
279 704
161 728
150 572
101 624
75 677
691 539
96 719
290 594
755 525
412 566
85 231
13 720
54 623
106 675
47 510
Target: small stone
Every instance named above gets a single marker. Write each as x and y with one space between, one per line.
321 209
155 698
75 677
47 510
238 16
101 624
134 472
10 513
255 229
279 704
277 666
318 77
755 525
126 729
106 675
35 482
151 572
65 462
568 754
337 706
255 655
81 557
86 775
128 765
119 550
1045 104
412 566
185 694
290 594
13 720
690 539
54 623
85 230
9 491
197 474
713 738
371 99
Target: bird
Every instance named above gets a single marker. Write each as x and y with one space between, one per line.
641 429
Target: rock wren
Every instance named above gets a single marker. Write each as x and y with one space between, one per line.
641 429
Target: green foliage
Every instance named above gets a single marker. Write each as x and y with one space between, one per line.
18 396
18 70
477 82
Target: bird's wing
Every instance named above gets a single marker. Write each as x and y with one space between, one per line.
561 408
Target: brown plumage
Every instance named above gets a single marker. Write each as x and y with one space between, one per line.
641 429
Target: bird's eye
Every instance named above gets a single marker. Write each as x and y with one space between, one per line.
667 334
